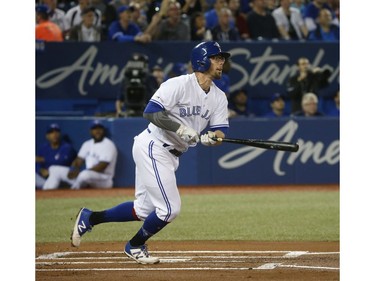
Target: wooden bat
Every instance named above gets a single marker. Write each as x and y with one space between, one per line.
266 144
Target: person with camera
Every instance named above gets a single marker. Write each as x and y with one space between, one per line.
137 87
307 79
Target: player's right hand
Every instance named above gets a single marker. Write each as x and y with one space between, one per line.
207 140
188 134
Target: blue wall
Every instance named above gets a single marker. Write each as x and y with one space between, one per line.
316 162
85 77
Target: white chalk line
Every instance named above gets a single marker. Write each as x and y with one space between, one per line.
230 257
149 269
61 254
58 255
309 267
174 257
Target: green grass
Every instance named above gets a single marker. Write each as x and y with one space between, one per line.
263 216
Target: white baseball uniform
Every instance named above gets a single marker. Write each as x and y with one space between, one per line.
92 153
186 103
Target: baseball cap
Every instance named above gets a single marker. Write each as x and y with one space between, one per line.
124 8
53 127
276 96
41 8
179 68
96 123
157 67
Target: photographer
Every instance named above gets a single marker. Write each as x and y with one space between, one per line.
136 88
304 81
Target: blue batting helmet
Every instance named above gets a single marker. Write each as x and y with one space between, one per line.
202 52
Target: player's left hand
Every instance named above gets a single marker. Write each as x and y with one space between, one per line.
188 134
207 140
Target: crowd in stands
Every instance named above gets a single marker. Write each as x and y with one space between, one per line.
187 20
145 21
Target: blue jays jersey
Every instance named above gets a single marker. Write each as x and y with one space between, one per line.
63 155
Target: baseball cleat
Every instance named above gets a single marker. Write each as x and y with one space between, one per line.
140 254
81 226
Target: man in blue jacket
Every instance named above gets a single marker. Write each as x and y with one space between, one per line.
124 30
53 152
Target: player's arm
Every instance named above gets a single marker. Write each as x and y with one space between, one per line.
159 117
100 167
39 159
75 168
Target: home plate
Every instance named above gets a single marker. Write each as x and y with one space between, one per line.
173 260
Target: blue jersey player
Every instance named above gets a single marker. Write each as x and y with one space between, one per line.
53 152
182 108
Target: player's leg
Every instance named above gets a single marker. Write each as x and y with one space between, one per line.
87 219
156 192
92 179
57 174
39 181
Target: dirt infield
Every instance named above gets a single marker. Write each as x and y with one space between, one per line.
189 260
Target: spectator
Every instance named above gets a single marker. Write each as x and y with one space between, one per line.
55 14
137 87
178 69
334 6
172 27
198 29
212 15
45 29
300 5
289 21
86 31
98 155
223 32
261 23
271 5
304 81
277 105
109 15
239 19
309 106
245 6
158 73
325 30
154 8
124 30
189 7
312 13
138 15
335 110
73 15
55 151
238 105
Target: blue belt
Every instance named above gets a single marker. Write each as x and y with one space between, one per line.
174 151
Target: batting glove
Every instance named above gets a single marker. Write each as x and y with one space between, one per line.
188 134
207 140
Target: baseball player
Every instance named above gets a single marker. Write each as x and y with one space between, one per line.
178 112
99 154
55 151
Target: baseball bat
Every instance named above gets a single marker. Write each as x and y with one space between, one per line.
266 144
